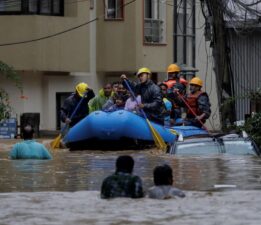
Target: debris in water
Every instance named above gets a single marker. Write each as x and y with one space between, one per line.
225 186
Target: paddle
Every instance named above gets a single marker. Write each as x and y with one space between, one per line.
183 99
56 142
159 142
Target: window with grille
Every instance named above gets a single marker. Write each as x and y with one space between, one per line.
184 32
154 21
114 9
41 7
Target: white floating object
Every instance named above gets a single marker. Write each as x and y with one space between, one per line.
180 137
225 186
244 134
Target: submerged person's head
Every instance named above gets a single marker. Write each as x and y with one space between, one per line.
124 163
163 175
28 132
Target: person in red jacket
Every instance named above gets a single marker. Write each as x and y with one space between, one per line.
196 102
173 72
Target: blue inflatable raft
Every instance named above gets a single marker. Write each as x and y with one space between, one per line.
118 130
188 131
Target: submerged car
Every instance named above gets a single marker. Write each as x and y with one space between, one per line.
234 144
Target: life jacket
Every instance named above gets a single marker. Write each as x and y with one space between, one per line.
171 83
192 100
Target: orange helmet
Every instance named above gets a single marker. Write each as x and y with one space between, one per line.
173 68
196 81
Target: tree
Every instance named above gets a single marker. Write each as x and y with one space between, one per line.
9 73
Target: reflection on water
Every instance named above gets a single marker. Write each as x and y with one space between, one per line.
85 170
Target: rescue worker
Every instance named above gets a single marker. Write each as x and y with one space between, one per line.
151 97
173 73
122 183
29 148
198 102
104 95
172 96
81 91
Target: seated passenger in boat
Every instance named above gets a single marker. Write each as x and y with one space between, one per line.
123 92
163 180
114 103
131 104
168 104
115 86
99 100
29 148
122 183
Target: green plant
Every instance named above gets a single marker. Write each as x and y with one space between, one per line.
253 128
9 73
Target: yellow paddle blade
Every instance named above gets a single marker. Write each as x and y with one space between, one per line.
173 131
56 142
160 143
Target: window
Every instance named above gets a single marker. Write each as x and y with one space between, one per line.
184 32
154 21
13 6
23 7
114 9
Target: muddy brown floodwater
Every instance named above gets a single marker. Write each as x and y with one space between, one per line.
65 190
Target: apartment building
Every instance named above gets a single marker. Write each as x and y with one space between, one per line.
54 44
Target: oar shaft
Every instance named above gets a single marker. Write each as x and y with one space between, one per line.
74 112
134 97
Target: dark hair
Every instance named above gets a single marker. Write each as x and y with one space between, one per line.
179 86
124 163
163 175
115 82
28 132
162 84
118 97
107 85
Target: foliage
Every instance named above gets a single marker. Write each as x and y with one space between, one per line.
9 73
253 128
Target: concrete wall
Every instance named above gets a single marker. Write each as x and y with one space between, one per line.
205 64
66 52
120 43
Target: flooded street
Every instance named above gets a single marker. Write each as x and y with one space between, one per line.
66 189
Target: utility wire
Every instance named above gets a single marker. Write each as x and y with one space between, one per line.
61 32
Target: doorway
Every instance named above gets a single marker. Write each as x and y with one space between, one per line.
60 98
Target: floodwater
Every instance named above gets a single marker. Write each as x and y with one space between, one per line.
65 190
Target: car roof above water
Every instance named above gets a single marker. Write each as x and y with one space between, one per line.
203 145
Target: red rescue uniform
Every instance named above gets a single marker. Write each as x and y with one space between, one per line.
171 83
192 100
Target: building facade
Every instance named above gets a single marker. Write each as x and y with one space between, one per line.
54 44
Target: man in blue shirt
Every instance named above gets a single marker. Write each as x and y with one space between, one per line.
29 148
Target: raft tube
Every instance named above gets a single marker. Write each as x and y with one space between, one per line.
121 128
188 131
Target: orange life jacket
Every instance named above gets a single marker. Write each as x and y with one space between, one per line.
171 83
192 100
